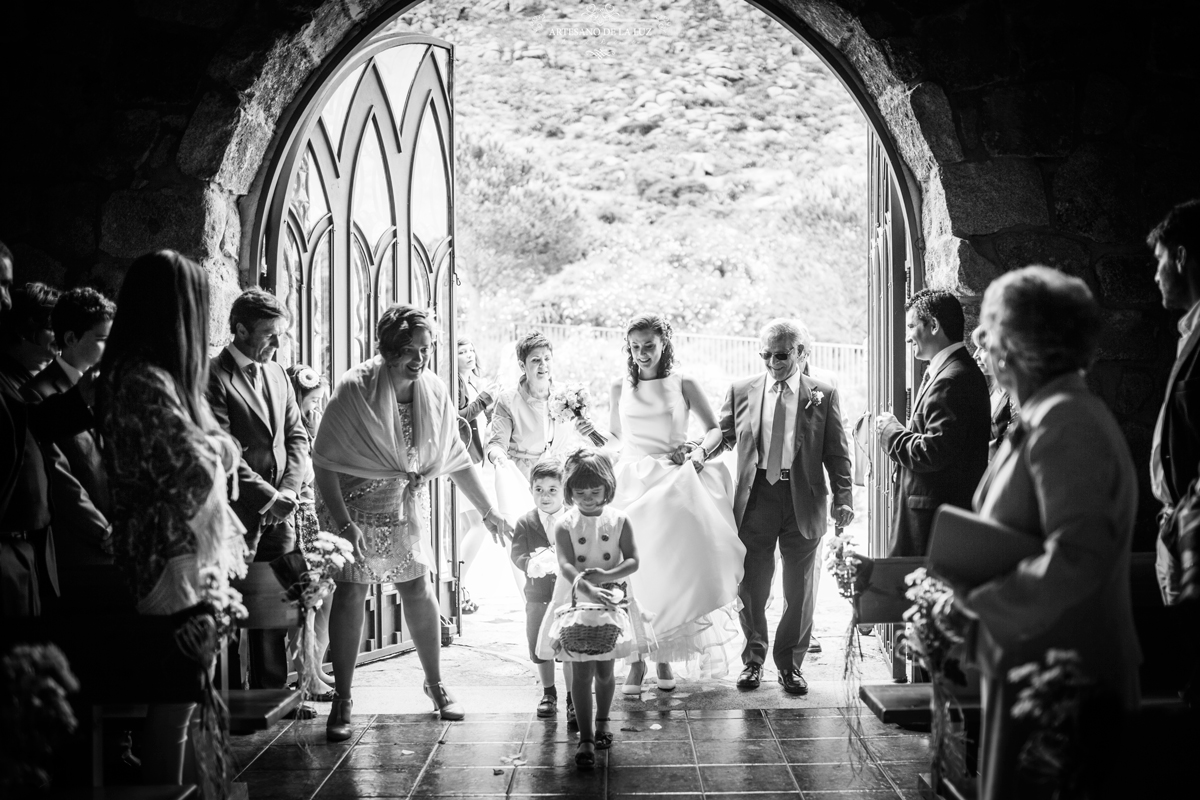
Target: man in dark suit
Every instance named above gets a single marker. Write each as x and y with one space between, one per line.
27 564
253 400
1175 454
78 483
787 431
943 452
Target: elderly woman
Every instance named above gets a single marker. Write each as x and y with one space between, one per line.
390 427
1065 476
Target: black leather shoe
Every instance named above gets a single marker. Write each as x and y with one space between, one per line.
793 682
814 645
751 677
548 707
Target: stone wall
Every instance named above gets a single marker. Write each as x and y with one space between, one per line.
1032 131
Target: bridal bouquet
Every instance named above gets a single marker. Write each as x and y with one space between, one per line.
571 403
1051 696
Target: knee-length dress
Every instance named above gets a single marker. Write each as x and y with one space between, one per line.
597 544
690 557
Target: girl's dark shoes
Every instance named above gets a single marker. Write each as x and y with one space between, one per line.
445 705
548 707
585 756
604 737
572 722
338 726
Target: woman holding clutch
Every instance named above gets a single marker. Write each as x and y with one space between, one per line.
1065 476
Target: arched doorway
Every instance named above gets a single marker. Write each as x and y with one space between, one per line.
358 215
891 249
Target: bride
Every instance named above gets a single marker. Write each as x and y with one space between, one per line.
691 557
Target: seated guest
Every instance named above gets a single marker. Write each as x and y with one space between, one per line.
78 486
1004 410
1065 476
167 460
941 453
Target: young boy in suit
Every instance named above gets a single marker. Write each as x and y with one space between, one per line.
533 553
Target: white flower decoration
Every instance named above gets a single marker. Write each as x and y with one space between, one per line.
815 398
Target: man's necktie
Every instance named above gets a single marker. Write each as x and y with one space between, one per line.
778 421
255 374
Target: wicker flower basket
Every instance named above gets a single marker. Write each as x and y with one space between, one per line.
591 629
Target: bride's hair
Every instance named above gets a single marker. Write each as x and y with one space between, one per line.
658 325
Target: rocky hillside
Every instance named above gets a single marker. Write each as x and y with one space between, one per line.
687 155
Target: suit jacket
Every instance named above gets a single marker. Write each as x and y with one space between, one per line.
1065 476
274 441
821 447
942 453
78 483
1180 447
529 535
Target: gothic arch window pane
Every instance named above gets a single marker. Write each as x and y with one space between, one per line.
385 285
372 196
333 116
289 292
361 337
320 320
314 192
430 186
398 67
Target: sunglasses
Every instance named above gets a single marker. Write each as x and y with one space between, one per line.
767 355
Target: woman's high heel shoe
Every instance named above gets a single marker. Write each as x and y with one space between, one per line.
666 684
446 706
630 687
338 726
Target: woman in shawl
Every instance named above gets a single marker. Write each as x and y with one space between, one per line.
390 427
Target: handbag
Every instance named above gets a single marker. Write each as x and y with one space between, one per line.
590 629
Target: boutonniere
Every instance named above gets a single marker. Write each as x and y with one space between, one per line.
815 398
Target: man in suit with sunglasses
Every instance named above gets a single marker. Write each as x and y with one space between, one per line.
786 428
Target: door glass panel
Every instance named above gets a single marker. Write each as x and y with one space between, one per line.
443 60
420 280
385 285
398 67
318 206
372 200
334 114
318 283
287 290
360 302
430 208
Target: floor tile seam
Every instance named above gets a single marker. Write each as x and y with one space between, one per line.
438 742
857 733
796 783
687 723
345 755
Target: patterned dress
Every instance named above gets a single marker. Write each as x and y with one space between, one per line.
394 551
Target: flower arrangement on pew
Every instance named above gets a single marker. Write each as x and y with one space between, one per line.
852 570
329 555
1052 694
35 715
933 636
571 403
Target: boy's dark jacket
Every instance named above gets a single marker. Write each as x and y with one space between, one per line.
529 536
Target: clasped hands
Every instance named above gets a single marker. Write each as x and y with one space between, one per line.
688 452
587 583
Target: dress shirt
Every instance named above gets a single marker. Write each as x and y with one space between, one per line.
243 361
549 521
73 374
1158 477
936 362
790 399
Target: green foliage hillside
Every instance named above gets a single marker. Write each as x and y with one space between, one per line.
693 158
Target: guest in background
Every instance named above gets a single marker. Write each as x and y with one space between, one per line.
79 494
1175 454
522 428
1065 476
168 462
475 405
389 429
252 398
312 394
26 547
942 452
28 346
1004 410
28 334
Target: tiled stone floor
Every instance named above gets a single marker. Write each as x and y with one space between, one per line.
787 752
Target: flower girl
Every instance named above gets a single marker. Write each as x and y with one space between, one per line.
594 619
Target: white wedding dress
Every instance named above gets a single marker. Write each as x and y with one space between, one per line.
690 558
